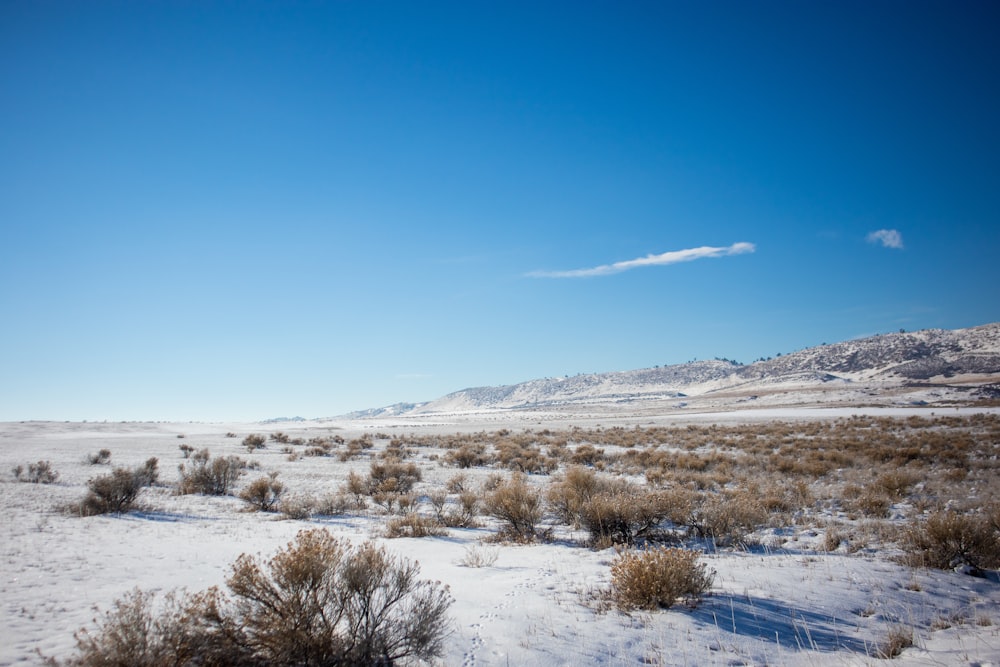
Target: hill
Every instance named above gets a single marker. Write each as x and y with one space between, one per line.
933 366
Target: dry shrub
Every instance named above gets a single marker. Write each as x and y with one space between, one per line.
413 525
299 507
658 578
587 455
624 514
896 483
392 476
525 458
949 539
727 518
468 456
38 473
135 633
212 477
263 493
475 556
870 502
462 513
897 638
117 491
321 602
254 441
568 493
317 602
102 457
518 505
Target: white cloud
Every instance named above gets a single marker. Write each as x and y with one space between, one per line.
663 259
889 238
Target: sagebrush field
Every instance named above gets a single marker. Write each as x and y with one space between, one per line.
843 540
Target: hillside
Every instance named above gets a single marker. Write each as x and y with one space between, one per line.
924 367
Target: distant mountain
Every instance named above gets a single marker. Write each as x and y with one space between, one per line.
909 367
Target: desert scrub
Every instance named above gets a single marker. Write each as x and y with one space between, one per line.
569 492
727 518
116 492
948 539
37 473
659 578
518 506
264 493
102 457
623 515
462 513
254 442
319 601
208 476
413 524
896 640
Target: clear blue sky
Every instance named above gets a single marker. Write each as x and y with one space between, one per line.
220 210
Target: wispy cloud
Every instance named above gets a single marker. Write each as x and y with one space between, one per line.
889 238
663 259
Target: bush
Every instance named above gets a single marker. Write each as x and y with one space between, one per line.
568 494
461 514
103 457
254 441
317 602
263 493
658 578
413 525
132 634
623 515
38 473
213 477
897 638
518 506
392 477
468 456
116 492
949 539
321 602
727 519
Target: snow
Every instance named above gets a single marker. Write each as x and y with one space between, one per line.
787 605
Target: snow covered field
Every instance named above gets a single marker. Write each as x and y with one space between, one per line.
785 601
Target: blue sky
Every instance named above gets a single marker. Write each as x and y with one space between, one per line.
245 210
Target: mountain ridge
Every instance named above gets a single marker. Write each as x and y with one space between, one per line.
920 367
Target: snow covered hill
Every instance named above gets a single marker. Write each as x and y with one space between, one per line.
930 366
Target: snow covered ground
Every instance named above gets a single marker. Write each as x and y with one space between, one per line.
793 605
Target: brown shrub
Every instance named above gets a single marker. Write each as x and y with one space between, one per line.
467 456
518 505
462 513
117 491
622 515
568 494
727 518
132 634
897 638
212 477
263 493
658 578
254 441
413 525
38 473
392 476
949 539
317 602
